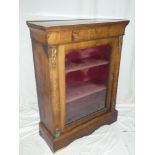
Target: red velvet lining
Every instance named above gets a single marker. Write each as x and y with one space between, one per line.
85 80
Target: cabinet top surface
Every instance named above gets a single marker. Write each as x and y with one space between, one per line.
47 24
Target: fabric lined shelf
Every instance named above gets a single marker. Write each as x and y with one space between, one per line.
79 90
85 106
84 64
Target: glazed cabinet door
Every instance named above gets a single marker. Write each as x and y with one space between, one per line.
85 80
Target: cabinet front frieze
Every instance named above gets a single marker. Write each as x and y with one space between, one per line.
77 35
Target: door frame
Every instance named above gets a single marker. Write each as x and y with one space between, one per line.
64 49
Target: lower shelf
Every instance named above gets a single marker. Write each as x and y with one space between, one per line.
76 90
84 106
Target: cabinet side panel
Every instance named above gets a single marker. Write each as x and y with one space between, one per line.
43 84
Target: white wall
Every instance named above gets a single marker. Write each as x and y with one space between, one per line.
58 9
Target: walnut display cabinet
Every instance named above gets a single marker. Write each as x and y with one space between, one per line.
76 67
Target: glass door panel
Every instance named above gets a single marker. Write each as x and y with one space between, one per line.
86 72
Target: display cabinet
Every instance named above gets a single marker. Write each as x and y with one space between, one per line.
76 67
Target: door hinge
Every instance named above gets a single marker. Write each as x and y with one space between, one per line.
120 43
57 132
114 103
112 77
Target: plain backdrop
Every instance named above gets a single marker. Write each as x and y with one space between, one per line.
119 142
59 9
9 76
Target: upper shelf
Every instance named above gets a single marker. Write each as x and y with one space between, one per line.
83 64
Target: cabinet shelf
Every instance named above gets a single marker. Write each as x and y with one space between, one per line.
85 106
84 64
79 90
